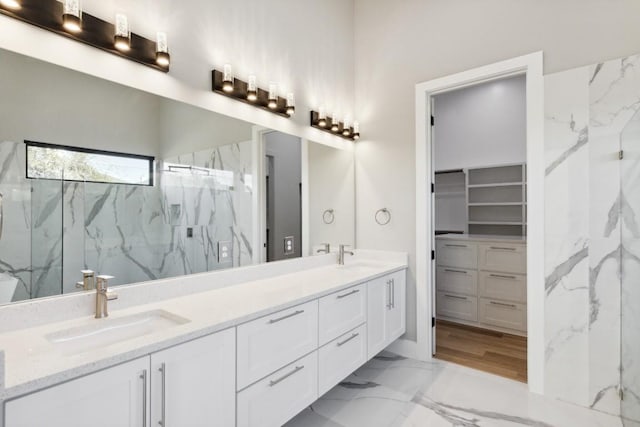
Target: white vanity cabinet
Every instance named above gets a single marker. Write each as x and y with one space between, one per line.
386 319
117 396
193 384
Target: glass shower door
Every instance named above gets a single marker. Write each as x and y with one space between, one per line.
630 272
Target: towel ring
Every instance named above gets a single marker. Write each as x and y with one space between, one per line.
386 213
328 216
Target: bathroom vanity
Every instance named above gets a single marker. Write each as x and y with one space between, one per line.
249 348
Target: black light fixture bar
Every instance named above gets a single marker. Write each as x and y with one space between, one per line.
47 14
315 118
239 93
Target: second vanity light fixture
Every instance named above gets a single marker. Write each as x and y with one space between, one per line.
345 129
67 18
225 83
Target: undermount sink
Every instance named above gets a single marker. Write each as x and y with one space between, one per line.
105 332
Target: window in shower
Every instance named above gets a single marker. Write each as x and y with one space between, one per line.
60 162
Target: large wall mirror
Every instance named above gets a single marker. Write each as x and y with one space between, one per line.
220 193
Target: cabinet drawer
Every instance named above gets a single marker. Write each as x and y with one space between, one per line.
341 357
452 253
506 257
342 311
503 314
269 343
461 307
457 280
274 400
504 286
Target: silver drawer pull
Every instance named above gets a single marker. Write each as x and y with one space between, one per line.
448 270
340 344
502 276
285 376
502 304
455 297
499 248
355 291
295 313
455 246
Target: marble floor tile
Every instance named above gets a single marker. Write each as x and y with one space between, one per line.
393 391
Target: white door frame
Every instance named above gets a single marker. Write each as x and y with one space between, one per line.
532 66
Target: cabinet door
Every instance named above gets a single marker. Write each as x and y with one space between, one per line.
117 396
377 307
193 384
396 318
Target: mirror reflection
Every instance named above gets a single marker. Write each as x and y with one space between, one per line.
84 200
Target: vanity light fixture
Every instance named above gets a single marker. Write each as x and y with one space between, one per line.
252 89
67 18
224 83
122 37
291 104
162 50
318 120
11 4
72 16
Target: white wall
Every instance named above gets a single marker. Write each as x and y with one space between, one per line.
401 43
481 125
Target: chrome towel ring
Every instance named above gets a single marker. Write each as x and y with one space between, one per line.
328 216
383 216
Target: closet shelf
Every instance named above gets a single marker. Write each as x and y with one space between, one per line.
495 223
496 184
497 204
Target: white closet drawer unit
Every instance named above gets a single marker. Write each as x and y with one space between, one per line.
457 280
269 343
507 257
342 311
455 253
461 307
338 359
503 314
274 400
504 286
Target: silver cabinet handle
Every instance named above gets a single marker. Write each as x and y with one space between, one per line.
450 245
163 410
502 304
295 313
341 343
448 270
285 376
355 291
499 248
455 297
143 377
393 293
502 276
388 294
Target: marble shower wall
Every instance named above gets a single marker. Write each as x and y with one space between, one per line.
52 230
591 233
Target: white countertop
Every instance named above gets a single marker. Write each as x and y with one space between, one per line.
31 362
483 238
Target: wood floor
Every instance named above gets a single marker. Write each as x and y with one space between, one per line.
489 351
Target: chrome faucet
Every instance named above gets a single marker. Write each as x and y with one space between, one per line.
88 280
103 296
341 253
326 248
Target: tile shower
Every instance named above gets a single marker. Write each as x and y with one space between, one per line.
53 229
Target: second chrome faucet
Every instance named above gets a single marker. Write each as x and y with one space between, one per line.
101 285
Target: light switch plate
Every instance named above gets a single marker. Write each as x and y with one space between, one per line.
225 251
289 248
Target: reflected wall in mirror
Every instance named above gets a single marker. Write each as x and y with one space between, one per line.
197 216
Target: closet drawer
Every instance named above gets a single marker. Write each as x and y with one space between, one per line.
274 400
457 280
269 343
504 286
338 359
454 253
503 314
506 257
342 311
461 307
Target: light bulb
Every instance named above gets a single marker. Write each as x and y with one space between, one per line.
291 104
252 89
322 118
72 16
11 4
335 123
346 128
273 96
122 38
356 130
162 50
227 79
